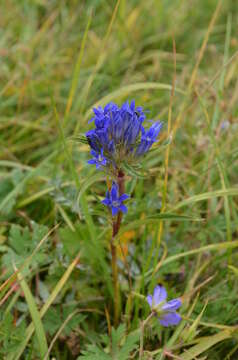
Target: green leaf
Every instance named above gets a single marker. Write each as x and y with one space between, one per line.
20 239
234 269
10 335
154 219
190 333
206 196
70 240
117 335
22 243
17 190
52 320
121 346
94 353
6 186
40 333
211 247
204 344
132 171
88 183
74 322
129 345
31 328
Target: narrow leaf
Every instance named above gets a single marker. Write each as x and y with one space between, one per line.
205 344
35 315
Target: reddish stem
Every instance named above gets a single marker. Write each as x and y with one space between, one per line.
115 230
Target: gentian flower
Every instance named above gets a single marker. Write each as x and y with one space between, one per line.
114 201
98 159
119 135
148 138
165 311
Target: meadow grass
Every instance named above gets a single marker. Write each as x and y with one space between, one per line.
179 60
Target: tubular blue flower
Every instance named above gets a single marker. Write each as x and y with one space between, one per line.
148 138
98 159
119 132
114 201
165 311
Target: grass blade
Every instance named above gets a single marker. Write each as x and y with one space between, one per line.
206 196
35 315
125 90
76 73
212 247
31 328
204 344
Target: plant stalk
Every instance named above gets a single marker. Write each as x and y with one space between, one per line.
143 325
115 229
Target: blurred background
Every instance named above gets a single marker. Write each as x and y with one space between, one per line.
58 59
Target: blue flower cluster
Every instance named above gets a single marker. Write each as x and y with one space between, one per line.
119 135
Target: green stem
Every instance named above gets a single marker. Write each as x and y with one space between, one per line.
143 325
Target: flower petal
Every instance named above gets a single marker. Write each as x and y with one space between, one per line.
150 300
92 161
114 191
170 319
124 197
94 153
123 208
132 106
106 202
172 305
114 210
159 295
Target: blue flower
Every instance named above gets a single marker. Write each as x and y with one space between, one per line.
119 132
148 138
114 201
165 311
98 159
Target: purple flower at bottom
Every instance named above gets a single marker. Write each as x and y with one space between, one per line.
98 159
165 311
114 201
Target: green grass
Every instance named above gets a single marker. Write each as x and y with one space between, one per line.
58 59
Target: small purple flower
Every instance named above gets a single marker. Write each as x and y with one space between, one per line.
98 159
114 201
165 311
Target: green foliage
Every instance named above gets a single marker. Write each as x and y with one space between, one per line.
118 346
55 316
22 242
35 315
58 60
11 335
6 186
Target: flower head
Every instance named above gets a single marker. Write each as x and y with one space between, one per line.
114 201
165 311
119 135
